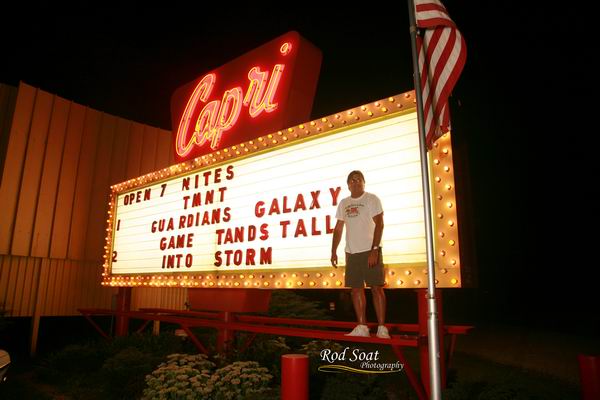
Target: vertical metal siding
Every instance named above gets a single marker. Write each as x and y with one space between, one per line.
32 173
60 161
66 187
13 166
49 183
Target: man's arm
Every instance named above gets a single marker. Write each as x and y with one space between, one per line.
337 237
374 254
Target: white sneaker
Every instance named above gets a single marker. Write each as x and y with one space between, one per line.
382 332
359 330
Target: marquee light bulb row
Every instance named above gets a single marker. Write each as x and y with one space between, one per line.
444 195
396 277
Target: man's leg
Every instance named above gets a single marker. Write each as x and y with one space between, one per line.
379 303
359 302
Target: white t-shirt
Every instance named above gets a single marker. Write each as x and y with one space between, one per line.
357 215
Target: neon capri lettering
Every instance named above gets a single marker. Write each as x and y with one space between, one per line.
219 116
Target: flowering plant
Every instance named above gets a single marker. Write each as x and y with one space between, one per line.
183 376
186 376
240 380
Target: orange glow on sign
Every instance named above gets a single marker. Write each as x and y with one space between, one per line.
285 48
218 116
269 88
257 97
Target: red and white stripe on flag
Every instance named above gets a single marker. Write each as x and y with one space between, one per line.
442 55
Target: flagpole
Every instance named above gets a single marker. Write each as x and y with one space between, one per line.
432 320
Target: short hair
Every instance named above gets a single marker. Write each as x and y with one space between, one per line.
355 172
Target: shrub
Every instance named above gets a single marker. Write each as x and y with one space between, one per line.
265 349
353 386
191 377
183 376
313 350
124 372
159 345
71 359
240 380
287 304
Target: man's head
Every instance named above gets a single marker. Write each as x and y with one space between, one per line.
356 183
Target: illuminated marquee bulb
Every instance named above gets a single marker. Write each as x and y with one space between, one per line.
450 223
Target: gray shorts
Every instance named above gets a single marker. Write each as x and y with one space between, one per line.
358 272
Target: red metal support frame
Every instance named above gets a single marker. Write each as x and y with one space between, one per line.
225 336
96 326
403 335
410 374
123 305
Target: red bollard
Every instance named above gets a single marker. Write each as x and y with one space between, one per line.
589 372
294 377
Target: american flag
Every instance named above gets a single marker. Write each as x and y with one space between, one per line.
442 55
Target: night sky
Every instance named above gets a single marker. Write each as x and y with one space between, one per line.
127 62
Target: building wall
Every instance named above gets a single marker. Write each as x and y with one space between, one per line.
60 159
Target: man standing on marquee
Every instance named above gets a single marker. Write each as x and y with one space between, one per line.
362 214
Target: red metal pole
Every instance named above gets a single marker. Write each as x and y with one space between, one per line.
589 373
123 305
423 347
225 336
294 377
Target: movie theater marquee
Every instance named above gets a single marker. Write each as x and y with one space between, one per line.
261 213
